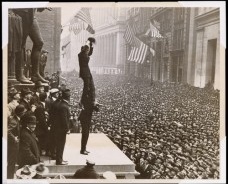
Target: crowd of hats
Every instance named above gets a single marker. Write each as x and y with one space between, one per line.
168 130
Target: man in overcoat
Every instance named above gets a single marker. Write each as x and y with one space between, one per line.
29 153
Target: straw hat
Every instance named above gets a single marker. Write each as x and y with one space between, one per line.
25 172
40 168
109 175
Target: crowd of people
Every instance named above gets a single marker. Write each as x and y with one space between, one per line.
169 130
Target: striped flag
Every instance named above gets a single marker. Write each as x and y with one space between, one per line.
153 31
81 21
130 33
138 52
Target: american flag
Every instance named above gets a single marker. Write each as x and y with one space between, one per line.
138 52
130 33
153 31
81 21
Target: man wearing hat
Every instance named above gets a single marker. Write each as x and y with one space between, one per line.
87 172
29 153
42 126
15 96
13 139
26 96
54 94
39 88
61 126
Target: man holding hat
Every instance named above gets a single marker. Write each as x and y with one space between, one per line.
61 126
13 139
26 96
88 96
29 153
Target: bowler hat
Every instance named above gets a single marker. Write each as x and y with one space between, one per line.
66 93
25 91
20 109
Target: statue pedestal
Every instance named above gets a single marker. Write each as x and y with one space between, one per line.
30 86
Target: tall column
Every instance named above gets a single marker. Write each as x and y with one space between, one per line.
121 50
102 50
110 49
115 49
199 59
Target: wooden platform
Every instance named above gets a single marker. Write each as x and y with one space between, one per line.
106 155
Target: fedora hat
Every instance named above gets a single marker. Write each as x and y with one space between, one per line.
40 168
20 109
25 91
25 172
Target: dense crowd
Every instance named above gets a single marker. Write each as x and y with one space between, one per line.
168 130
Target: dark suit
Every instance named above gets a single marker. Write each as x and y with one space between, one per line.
85 118
61 127
35 99
85 74
53 116
146 173
42 127
26 104
13 146
29 153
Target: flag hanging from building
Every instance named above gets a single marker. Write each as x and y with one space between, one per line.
82 21
138 52
153 31
130 33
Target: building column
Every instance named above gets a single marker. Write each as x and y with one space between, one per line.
109 49
120 54
199 77
115 49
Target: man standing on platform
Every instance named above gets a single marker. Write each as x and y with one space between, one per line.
61 126
88 96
